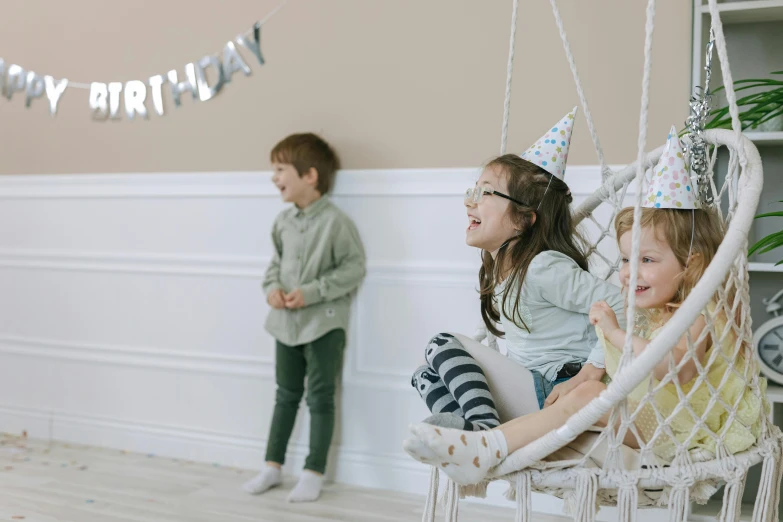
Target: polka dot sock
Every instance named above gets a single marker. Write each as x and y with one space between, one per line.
464 456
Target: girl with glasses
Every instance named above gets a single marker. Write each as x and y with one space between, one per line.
533 282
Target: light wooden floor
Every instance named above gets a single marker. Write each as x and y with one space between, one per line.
67 483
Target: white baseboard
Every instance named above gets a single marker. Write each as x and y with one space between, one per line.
350 467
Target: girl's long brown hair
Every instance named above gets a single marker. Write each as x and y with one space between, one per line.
553 229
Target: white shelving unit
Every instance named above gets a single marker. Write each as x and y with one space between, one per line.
764 267
765 138
745 12
754 40
775 393
731 13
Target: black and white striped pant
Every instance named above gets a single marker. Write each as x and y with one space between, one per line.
452 382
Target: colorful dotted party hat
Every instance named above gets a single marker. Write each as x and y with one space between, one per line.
671 186
550 152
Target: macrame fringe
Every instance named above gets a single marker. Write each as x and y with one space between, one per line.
627 502
679 502
582 503
523 494
768 498
732 500
702 491
452 501
474 490
432 497
445 495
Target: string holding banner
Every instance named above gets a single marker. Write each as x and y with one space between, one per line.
105 98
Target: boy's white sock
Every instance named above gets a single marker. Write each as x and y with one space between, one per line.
308 488
465 456
268 478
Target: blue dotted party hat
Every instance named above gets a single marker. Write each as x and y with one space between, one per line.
550 152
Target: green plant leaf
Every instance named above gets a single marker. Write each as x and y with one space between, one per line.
770 214
767 243
755 108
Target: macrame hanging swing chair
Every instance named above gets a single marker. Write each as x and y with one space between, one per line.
589 467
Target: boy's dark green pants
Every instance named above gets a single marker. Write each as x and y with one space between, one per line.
320 361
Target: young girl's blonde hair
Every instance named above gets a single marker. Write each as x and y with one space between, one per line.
676 227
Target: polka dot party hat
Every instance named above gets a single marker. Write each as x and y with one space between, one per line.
550 152
670 186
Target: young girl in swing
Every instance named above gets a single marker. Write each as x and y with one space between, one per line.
678 241
534 281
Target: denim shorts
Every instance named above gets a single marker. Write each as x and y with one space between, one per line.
544 386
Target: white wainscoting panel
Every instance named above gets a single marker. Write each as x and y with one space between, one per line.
131 314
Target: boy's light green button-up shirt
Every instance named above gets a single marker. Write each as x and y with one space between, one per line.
318 250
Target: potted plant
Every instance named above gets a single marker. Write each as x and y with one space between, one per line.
761 111
770 242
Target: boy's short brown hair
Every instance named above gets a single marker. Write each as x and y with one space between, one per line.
305 151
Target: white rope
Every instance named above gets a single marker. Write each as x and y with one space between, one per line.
637 211
523 498
509 74
430 507
452 502
728 82
87 86
580 91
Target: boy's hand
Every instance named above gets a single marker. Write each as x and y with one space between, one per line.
602 315
294 299
276 299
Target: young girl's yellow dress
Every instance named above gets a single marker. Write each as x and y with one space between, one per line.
738 435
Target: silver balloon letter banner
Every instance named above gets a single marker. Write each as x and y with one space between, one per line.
198 81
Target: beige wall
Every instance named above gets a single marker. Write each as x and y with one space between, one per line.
392 83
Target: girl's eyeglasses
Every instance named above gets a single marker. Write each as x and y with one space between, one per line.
474 195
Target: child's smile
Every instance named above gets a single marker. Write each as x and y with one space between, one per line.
473 222
659 270
488 223
293 188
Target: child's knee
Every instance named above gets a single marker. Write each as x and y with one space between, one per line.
422 377
288 396
436 344
321 402
581 396
590 389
